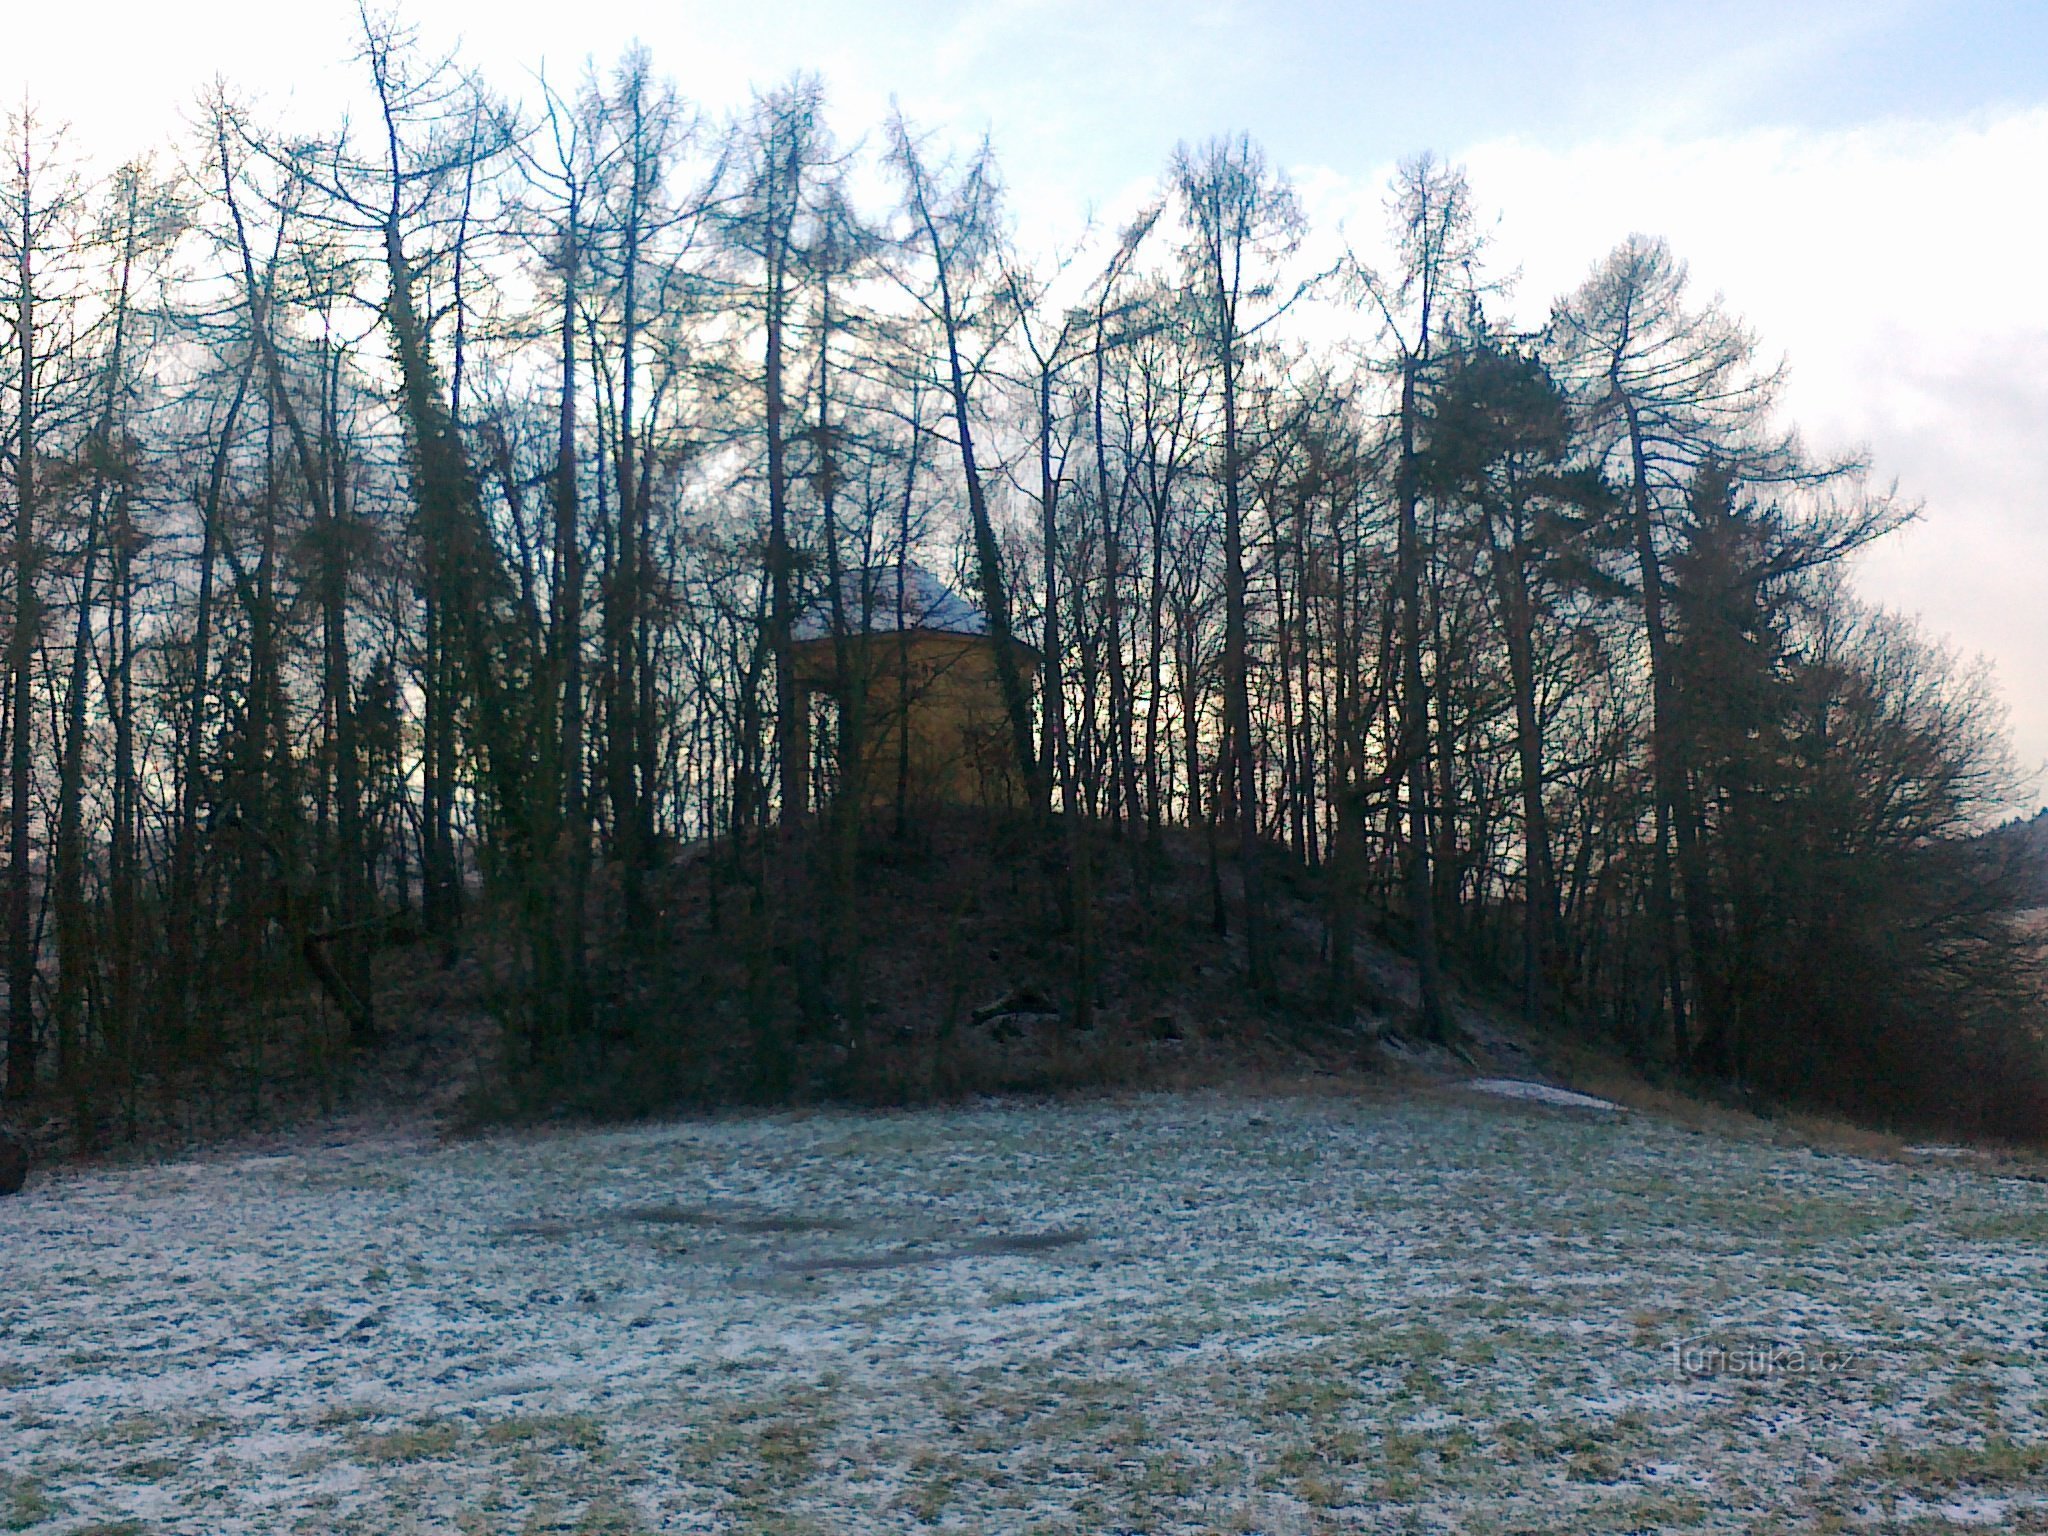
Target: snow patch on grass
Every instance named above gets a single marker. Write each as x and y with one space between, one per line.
1540 1093
1160 1314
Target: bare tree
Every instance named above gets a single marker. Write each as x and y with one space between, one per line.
1437 248
1242 220
956 230
42 200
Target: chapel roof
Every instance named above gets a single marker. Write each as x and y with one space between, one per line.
869 601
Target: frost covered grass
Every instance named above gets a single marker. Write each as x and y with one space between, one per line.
1156 1314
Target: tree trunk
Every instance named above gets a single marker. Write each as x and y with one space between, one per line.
573 870
1237 698
1663 750
1414 723
22 1041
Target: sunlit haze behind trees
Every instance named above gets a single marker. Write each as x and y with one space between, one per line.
1853 176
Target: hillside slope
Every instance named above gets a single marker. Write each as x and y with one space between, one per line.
947 967
956 975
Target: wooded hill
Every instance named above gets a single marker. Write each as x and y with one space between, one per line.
411 522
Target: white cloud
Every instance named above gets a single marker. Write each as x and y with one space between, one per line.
1898 267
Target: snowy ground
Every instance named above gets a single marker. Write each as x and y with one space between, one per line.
1166 1314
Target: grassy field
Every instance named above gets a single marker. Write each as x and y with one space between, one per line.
1289 1313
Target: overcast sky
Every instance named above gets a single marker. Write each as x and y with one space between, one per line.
1865 182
